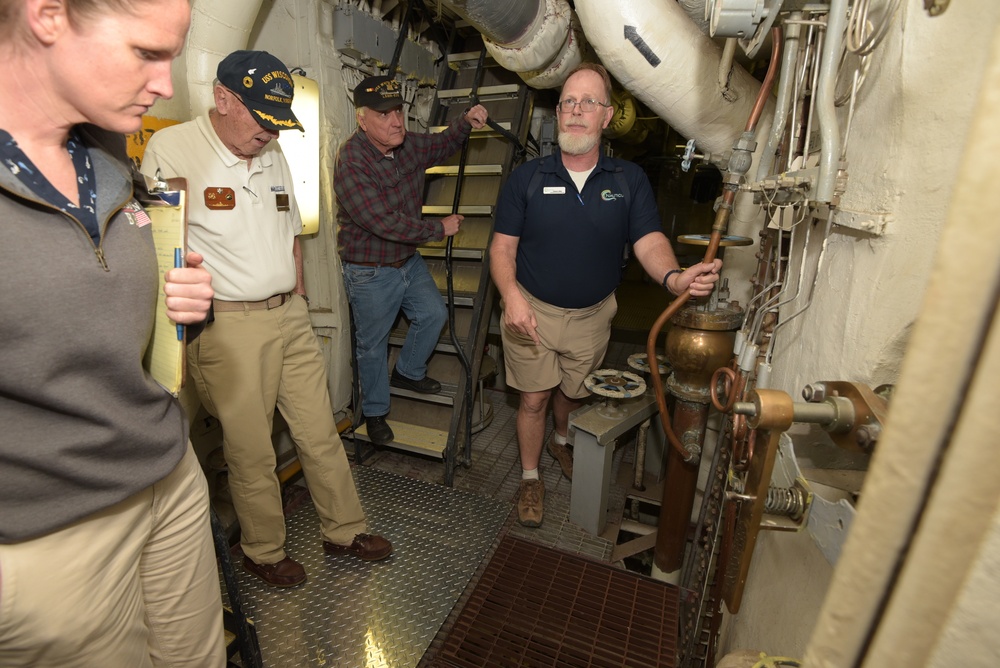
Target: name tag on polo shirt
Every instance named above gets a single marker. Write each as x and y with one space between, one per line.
281 199
220 198
554 190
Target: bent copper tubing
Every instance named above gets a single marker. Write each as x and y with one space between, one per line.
718 229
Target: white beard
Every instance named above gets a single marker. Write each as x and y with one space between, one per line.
578 144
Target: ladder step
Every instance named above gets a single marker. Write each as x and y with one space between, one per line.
468 60
441 347
446 397
411 437
470 243
456 253
468 210
470 170
485 93
481 131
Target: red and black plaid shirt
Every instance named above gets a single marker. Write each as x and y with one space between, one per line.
379 199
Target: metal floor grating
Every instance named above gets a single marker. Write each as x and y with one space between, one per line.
353 614
538 607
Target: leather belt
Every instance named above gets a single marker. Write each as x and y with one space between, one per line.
271 302
395 265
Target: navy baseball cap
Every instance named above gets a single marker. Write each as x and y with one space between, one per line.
378 93
265 86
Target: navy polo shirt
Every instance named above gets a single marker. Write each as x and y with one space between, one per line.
570 246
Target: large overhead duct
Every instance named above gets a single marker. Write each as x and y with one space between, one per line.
654 49
218 28
538 39
658 54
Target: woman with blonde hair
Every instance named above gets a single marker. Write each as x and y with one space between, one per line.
106 556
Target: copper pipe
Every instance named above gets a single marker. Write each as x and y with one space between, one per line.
690 419
718 229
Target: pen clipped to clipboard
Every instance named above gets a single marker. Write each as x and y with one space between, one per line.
165 203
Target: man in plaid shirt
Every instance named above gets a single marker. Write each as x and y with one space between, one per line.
379 183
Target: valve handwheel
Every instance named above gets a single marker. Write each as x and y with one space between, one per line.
640 362
615 384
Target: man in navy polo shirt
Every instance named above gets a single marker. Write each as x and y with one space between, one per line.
562 225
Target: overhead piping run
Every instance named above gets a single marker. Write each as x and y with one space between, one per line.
657 52
217 29
538 39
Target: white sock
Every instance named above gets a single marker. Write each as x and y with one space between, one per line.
559 440
529 475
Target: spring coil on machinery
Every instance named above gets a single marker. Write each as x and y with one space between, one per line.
786 501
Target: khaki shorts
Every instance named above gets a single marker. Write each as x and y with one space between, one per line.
573 344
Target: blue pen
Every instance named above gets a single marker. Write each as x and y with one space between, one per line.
178 263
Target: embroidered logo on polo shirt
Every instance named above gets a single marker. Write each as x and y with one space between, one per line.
609 196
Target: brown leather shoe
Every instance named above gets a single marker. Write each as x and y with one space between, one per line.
365 546
562 454
529 503
285 573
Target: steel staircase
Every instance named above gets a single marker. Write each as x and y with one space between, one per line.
436 425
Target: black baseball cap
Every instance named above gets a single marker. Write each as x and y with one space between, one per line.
265 86
378 93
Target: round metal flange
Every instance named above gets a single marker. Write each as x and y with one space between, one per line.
704 239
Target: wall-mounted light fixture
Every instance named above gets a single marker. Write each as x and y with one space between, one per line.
301 149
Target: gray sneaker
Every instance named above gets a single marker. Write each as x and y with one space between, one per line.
529 503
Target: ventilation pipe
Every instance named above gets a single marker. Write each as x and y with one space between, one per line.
538 39
657 53
218 27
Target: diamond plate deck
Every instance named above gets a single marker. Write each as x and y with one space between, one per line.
369 615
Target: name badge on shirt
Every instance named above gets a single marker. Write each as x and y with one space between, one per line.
281 199
554 190
220 198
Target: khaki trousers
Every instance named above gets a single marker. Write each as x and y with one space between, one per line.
133 586
246 363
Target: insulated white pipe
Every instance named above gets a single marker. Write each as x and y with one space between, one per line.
659 55
218 27
539 44
538 39
569 56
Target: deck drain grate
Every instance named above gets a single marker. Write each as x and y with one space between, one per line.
535 606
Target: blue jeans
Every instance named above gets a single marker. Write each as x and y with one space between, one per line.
376 295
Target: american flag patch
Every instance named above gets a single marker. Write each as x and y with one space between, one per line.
136 214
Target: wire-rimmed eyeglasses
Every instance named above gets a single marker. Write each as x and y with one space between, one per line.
586 106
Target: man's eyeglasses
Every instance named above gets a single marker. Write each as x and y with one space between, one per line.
586 106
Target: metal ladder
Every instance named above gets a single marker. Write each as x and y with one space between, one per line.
435 425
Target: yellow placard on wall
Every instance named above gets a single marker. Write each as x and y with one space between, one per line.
136 142
301 150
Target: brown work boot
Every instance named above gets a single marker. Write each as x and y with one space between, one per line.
285 573
365 546
562 454
529 503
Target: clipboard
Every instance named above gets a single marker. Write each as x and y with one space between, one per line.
166 206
